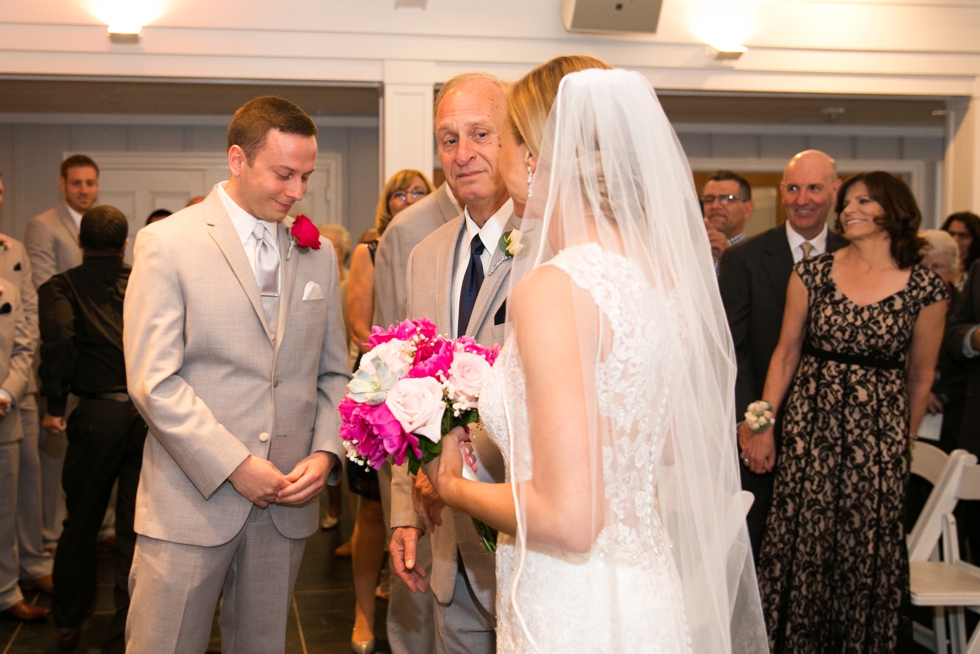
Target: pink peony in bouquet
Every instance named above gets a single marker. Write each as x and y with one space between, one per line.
411 389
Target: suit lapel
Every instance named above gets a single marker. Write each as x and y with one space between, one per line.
224 235
67 221
778 264
445 265
498 270
287 276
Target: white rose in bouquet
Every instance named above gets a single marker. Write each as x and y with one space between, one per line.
418 405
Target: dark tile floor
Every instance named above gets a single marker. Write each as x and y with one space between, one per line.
320 623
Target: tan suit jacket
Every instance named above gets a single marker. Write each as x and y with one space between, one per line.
15 266
430 283
404 232
216 383
17 345
52 243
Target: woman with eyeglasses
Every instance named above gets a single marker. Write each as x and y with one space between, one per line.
964 227
368 542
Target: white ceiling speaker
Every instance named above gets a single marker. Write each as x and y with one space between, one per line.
617 16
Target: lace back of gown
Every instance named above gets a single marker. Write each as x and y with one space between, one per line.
624 594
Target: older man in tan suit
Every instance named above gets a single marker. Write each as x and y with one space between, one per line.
458 278
236 358
410 620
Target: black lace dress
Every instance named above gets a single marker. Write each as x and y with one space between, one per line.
833 570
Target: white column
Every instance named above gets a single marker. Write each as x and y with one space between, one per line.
406 133
962 162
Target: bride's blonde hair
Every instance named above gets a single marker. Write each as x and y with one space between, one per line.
530 98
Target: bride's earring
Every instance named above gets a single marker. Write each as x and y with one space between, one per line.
530 176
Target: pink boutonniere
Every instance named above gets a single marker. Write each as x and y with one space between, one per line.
304 235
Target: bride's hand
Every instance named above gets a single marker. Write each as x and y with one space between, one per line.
448 466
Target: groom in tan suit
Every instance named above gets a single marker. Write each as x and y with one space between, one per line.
458 278
235 354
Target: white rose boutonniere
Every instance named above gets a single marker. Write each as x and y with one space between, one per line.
510 243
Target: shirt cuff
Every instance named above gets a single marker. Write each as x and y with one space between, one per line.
6 394
968 350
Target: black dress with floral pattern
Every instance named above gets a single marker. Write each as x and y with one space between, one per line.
833 570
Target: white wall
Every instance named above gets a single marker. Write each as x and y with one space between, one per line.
30 155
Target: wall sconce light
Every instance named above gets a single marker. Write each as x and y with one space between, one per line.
125 34
726 52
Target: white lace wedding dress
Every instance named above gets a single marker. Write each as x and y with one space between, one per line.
624 595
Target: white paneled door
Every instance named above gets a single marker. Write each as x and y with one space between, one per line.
138 183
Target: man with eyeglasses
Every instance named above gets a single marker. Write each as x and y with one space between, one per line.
753 278
727 205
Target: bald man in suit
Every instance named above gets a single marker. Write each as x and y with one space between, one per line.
236 357
470 112
410 619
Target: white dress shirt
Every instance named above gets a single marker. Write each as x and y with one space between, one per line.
77 217
819 243
244 223
490 234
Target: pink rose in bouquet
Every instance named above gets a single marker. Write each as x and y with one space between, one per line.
411 389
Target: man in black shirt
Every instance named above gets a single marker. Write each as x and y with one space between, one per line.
81 320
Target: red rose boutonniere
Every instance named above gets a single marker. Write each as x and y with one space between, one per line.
304 235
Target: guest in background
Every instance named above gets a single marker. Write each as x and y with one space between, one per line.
941 255
403 190
18 340
28 560
159 214
727 206
52 245
965 228
962 345
197 199
753 277
855 361
82 354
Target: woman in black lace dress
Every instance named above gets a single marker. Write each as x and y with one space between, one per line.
857 355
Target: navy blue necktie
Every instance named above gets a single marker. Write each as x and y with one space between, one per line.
472 282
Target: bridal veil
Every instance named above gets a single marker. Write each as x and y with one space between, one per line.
611 171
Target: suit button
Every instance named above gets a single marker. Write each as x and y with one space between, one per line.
275 384
272 337
263 437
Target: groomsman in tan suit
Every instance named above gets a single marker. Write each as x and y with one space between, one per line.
236 357
410 619
52 245
458 277
22 554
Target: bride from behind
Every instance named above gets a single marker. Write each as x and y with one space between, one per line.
621 520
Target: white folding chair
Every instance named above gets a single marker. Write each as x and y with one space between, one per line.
747 500
947 583
936 467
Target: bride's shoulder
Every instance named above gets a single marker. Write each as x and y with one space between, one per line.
543 284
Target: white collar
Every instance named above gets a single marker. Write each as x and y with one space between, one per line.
243 221
819 241
76 216
492 230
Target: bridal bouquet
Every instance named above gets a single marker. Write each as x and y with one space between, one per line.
410 390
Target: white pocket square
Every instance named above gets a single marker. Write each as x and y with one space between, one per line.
312 292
